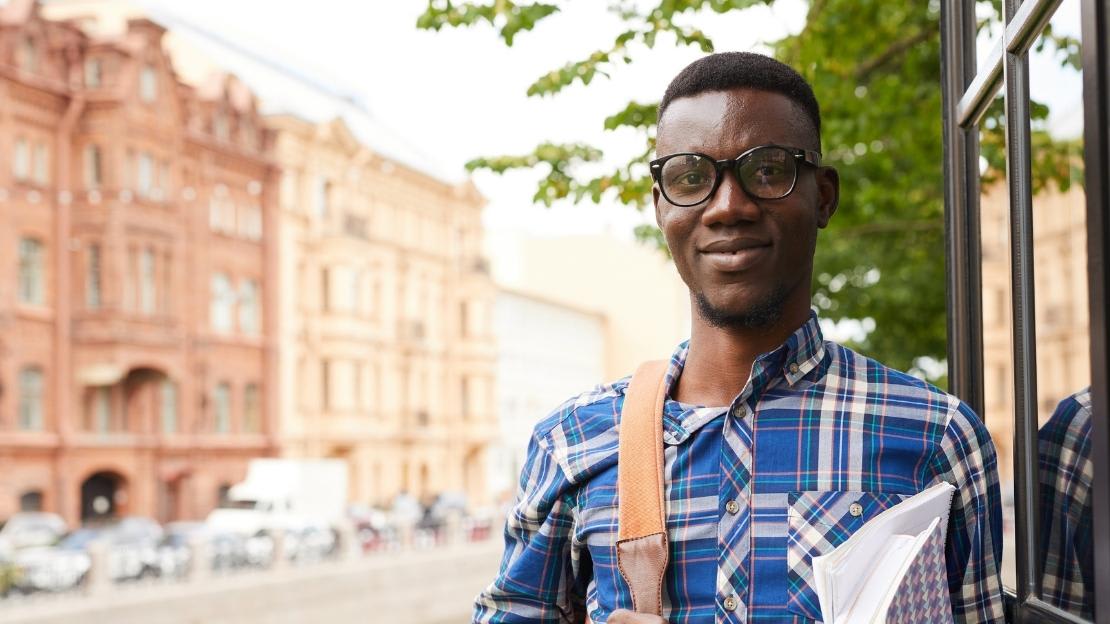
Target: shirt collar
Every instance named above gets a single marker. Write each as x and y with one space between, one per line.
792 360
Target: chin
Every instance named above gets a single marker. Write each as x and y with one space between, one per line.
752 312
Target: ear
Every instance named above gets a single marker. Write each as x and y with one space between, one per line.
828 190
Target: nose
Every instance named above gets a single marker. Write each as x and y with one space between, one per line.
730 204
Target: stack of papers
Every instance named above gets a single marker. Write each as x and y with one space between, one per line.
892 569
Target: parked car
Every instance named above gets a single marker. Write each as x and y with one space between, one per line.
226 550
25 529
131 549
55 568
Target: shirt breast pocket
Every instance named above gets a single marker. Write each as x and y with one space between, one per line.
818 522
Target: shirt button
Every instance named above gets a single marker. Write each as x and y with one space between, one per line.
741 412
793 368
731 603
732 507
855 509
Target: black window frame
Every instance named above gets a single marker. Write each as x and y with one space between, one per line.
967 92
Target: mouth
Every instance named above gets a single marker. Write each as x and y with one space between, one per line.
736 255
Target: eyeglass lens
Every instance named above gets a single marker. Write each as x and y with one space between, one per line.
766 173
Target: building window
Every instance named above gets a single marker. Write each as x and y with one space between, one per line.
148 84
166 303
248 307
101 417
28 55
30 398
354 287
222 303
32 287
148 292
31 501
252 413
41 163
220 126
248 133
214 213
325 289
325 384
94 73
464 397
221 407
163 182
323 197
169 406
94 167
144 175
250 222
21 160
92 277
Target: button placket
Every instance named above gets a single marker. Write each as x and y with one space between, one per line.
734 532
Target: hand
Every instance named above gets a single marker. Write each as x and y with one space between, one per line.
624 616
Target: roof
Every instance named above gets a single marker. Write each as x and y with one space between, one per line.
282 89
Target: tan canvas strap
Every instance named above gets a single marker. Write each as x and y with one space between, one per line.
642 533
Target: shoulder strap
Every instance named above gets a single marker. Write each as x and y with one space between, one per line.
642 533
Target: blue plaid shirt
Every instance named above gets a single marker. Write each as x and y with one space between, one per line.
1066 473
754 490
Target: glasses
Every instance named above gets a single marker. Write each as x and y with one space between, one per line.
764 172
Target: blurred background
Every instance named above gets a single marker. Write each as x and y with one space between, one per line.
285 286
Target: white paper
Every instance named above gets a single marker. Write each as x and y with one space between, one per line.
855 582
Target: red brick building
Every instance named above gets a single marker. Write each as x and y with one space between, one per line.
137 301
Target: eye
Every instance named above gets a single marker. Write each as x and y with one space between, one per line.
690 178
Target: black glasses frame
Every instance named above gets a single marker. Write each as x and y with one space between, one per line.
809 157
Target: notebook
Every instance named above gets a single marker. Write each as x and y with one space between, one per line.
892 569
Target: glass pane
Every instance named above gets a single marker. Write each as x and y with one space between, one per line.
988 33
1063 327
1061 323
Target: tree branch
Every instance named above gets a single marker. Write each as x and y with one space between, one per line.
895 50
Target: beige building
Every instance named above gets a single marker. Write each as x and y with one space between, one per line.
547 352
1062 324
644 301
387 351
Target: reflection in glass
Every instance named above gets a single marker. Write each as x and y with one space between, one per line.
1060 317
1066 471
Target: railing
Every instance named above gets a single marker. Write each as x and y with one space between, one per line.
103 570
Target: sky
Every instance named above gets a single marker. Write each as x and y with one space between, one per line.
452 95
460 93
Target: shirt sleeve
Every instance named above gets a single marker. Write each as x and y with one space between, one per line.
1066 473
966 459
538 581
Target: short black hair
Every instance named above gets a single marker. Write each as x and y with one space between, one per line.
744 70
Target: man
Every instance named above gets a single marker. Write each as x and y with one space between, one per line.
778 444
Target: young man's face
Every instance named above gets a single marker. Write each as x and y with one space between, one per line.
745 260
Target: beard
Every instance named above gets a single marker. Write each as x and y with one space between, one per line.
759 315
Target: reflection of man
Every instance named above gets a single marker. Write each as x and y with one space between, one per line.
778 444
1066 472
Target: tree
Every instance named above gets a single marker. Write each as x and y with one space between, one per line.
875 68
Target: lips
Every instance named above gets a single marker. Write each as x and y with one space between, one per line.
738 254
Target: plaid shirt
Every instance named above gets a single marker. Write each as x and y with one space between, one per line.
1066 472
754 490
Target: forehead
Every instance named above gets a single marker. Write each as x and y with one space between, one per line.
725 123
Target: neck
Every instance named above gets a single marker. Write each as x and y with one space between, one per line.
719 360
